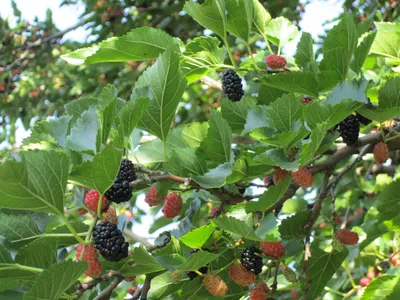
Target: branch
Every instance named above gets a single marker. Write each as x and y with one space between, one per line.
211 82
82 287
106 293
137 238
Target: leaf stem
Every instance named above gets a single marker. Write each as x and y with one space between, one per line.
49 235
229 52
22 267
99 205
328 289
72 230
353 284
252 57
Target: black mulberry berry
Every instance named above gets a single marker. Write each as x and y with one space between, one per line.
121 191
251 260
232 85
109 240
202 270
349 129
363 120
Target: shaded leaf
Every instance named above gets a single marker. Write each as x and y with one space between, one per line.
236 226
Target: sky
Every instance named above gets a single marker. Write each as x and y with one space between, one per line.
317 12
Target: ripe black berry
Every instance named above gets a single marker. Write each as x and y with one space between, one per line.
202 270
349 129
363 120
109 241
232 85
251 260
121 191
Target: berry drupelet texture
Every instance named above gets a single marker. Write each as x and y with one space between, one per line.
121 191
274 61
251 260
240 275
109 241
273 249
347 237
381 153
349 129
232 85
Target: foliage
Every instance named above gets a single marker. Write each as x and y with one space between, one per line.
219 161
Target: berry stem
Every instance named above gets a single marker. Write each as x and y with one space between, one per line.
392 138
72 230
268 45
252 57
229 52
23 267
198 273
90 232
353 284
99 204
226 266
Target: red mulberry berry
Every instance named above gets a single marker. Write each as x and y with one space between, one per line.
92 200
279 174
303 177
172 206
274 61
240 275
273 249
347 237
152 198
215 285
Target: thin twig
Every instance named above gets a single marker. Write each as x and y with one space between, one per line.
137 238
81 288
106 293
145 288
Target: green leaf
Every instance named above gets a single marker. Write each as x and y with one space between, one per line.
311 146
389 94
261 18
140 44
196 238
41 254
57 128
361 53
236 112
144 264
282 113
80 228
194 133
162 286
151 153
344 35
184 162
215 177
269 197
239 171
211 14
18 227
98 174
354 90
268 228
216 146
294 82
202 55
131 113
8 284
163 84
387 41
108 103
294 205
322 266
37 183
84 133
293 227
388 201
277 157
240 18
8 268
78 57
281 31
267 94
198 260
305 51
384 287
256 118
236 226
338 48
54 281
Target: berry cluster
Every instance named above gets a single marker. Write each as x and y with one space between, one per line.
232 85
109 241
90 256
252 260
349 129
152 198
121 191
172 206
